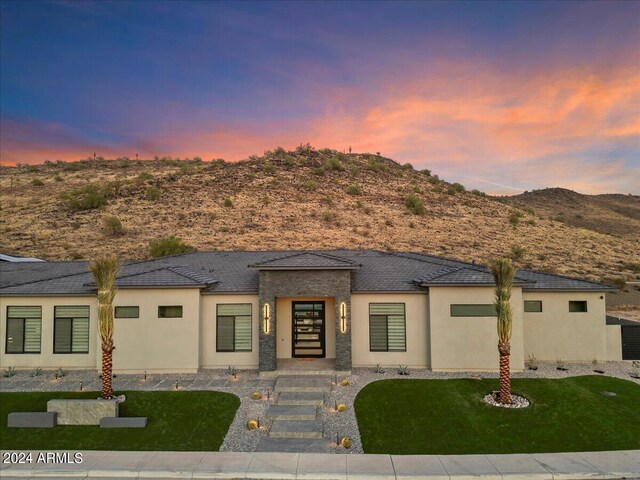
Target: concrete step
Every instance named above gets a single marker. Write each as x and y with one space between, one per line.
296 429
303 384
301 398
293 445
292 412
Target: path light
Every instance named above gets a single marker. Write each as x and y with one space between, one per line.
343 317
145 376
266 317
176 386
81 386
268 394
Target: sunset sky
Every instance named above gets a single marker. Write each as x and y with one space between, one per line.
500 96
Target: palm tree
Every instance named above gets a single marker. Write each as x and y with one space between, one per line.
104 272
503 273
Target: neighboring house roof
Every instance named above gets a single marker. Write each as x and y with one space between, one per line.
238 272
13 258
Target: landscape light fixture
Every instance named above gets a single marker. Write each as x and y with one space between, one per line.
266 318
343 317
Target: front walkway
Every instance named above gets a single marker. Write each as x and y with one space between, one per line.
214 465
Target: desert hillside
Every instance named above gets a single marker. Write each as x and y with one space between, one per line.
613 214
308 198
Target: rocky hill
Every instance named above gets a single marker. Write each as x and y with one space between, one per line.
307 198
613 214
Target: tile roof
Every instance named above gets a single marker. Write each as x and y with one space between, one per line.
237 272
306 260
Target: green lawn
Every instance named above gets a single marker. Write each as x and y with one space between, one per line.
449 416
176 421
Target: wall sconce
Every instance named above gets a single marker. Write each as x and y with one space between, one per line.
266 327
343 317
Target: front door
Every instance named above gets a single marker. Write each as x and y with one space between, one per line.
307 337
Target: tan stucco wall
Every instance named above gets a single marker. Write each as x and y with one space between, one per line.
470 343
417 336
284 328
209 358
556 333
47 359
157 344
614 342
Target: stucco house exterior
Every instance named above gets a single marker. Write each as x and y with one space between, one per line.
255 309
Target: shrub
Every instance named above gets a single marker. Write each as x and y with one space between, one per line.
311 185
530 210
426 171
88 197
333 163
36 182
124 162
328 216
58 178
478 193
318 171
407 166
531 222
517 252
354 190
113 226
458 187
170 245
436 188
414 204
228 202
359 204
289 160
514 218
144 176
633 266
269 167
152 193
73 166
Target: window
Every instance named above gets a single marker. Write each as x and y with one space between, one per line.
172 311
533 306
387 328
462 310
24 326
576 306
71 329
233 327
127 312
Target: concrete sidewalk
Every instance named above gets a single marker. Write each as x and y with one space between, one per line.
313 466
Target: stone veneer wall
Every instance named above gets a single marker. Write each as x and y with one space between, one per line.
309 283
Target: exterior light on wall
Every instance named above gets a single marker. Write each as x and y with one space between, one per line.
266 318
343 317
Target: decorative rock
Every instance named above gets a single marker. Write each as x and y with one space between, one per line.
252 424
256 395
608 394
123 422
31 420
344 383
82 412
341 408
516 401
345 442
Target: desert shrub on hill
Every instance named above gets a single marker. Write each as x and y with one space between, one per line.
170 245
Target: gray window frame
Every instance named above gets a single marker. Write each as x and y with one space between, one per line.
24 327
115 311
404 325
586 306
55 327
218 316
524 306
471 305
171 316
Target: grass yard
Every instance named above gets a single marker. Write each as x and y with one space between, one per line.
176 421
449 416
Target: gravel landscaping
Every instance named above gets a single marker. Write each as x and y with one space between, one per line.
241 439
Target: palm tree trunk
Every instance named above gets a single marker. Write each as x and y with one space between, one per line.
505 374
107 370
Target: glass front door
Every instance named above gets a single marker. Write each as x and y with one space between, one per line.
308 329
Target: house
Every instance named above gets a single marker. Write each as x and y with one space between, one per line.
257 309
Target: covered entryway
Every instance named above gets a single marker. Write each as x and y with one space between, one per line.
308 334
